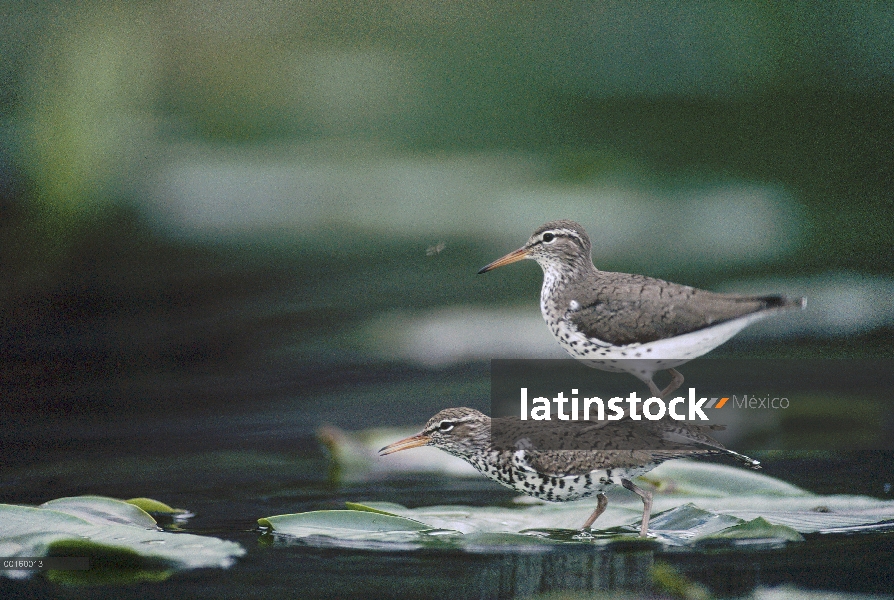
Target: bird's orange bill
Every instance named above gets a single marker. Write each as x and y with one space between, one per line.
514 256
414 441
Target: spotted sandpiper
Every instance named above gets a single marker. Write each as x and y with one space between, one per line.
631 323
564 475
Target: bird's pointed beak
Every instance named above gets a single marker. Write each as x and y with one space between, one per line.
414 441
514 256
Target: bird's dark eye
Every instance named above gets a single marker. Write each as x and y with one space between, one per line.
445 426
548 237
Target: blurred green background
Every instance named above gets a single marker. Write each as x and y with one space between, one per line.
196 187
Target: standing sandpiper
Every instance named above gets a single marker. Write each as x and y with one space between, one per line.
631 323
564 475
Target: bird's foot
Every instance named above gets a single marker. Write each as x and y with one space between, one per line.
675 382
647 504
601 503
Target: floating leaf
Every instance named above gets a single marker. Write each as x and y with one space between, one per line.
699 500
341 523
681 525
678 525
100 510
156 508
565 517
758 529
121 540
388 531
355 529
363 507
693 478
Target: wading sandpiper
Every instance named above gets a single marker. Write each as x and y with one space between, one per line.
631 323
564 475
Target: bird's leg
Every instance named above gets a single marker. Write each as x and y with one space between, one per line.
676 381
647 503
656 393
601 503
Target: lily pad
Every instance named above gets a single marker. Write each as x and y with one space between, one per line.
156 508
388 531
365 508
693 478
672 524
122 541
496 519
758 529
346 524
354 529
100 510
683 524
692 502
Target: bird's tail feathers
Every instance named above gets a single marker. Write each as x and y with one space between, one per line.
710 444
783 302
750 462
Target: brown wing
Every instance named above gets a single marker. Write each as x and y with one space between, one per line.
644 442
580 462
636 309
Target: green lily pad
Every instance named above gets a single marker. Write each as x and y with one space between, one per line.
354 525
373 528
100 510
693 478
672 524
693 502
156 508
122 542
757 529
363 507
564 517
692 521
389 526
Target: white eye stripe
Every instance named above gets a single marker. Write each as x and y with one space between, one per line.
557 233
450 424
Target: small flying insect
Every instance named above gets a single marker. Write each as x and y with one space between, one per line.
436 249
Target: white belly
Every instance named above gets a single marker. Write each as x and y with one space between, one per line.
644 360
